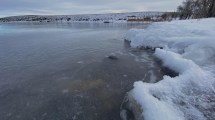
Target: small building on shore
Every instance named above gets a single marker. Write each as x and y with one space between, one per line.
147 19
138 19
164 17
135 19
132 18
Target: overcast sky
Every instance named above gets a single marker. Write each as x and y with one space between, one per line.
50 7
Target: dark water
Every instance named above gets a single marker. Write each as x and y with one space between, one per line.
60 71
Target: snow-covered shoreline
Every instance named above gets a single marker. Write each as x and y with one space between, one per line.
189 49
110 17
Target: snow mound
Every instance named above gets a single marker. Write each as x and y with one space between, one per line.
189 49
191 38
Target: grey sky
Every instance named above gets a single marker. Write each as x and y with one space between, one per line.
50 7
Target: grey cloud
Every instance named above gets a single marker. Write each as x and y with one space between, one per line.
23 7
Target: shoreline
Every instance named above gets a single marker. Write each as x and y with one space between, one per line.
183 96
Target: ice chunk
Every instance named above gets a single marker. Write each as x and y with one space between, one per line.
189 49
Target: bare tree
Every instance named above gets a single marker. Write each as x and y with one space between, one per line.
197 9
211 11
186 9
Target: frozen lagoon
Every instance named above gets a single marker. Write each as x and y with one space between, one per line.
60 71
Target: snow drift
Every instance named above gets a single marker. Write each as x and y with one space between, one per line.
189 49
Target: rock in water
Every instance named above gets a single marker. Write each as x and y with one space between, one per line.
112 56
106 22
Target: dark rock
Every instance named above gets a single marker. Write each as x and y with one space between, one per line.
130 109
106 22
125 110
112 57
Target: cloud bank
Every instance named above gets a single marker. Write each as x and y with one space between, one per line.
62 7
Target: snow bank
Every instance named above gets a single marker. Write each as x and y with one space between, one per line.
189 49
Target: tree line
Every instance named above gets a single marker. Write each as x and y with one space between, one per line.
197 9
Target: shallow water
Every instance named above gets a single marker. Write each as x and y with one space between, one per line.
60 71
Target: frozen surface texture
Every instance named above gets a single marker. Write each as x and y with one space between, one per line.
189 49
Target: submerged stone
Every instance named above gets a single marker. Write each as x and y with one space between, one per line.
112 57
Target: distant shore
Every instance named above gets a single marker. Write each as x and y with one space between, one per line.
111 17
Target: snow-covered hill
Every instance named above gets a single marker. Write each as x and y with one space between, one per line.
85 17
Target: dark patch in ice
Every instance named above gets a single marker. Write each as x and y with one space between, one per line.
156 96
165 70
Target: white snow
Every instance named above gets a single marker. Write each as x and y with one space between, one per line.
189 49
